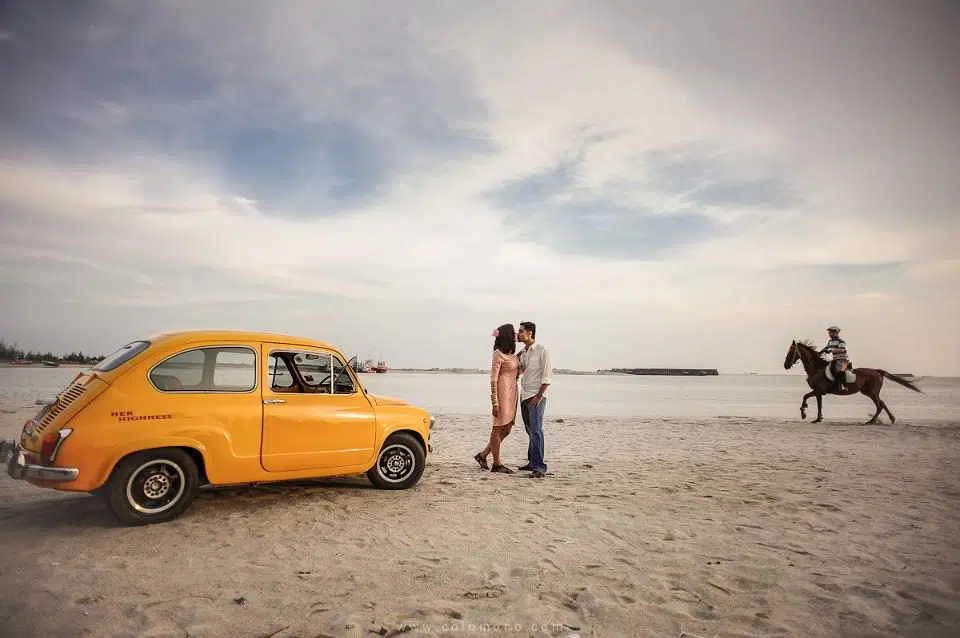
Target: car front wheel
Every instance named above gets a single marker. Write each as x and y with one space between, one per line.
153 486
399 464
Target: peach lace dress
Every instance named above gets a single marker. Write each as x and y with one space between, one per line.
504 372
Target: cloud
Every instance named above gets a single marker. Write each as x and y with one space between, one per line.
706 181
674 198
701 186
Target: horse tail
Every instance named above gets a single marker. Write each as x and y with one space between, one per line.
900 380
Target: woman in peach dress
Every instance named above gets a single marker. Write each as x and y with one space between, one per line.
504 371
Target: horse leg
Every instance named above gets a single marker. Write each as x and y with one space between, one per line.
884 405
872 390
887 410
877 402
819 418
803 406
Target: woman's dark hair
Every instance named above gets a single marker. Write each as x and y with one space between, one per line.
506 340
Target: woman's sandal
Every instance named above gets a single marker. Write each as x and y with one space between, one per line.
503 469
482 461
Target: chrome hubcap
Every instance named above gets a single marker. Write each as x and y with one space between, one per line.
396 463
156 486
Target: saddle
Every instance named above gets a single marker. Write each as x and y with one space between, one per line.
850 377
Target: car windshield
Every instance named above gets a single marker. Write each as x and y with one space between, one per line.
121 356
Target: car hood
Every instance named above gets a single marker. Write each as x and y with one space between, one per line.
382 400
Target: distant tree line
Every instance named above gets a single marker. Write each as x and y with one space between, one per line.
10 352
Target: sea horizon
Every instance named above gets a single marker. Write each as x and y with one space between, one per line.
557 371
727 395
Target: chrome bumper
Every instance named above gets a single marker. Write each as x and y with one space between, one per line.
17 467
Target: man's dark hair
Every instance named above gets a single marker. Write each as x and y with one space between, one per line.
530 327
506 341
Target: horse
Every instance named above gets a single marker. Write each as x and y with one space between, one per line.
868 381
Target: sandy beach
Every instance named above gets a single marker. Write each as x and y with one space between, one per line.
713 527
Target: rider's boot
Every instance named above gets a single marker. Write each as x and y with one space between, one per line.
838 378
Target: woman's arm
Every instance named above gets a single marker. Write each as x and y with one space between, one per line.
494 375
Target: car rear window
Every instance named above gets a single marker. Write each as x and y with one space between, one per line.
121 356
207 369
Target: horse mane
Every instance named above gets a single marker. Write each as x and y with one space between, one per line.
811 346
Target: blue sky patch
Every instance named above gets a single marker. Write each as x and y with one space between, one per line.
555 209
706 181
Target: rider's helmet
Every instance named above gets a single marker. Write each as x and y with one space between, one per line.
834 328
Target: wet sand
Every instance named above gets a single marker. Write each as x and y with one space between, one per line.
715 527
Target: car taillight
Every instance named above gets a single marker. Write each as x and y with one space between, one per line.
29 426
51 445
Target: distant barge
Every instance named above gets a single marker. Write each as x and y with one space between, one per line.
669 372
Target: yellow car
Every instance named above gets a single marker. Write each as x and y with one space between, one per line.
160 417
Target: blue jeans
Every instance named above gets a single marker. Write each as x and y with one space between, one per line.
533 424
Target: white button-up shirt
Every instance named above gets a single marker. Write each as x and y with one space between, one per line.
536 369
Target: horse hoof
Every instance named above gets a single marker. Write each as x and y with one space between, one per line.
817 421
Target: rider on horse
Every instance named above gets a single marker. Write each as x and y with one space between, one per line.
837 347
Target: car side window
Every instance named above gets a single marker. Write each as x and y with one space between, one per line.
214 369
180 373
234 370
342 381
281 378
314 369
309 373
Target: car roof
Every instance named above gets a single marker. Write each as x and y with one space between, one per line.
175 338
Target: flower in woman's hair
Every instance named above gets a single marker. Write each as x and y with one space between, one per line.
496 333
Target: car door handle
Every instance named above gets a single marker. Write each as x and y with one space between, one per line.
269 401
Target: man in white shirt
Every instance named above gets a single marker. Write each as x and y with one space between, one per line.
537 375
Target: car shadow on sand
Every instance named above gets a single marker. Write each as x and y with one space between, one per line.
86 511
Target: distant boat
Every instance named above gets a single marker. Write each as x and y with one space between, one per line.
381 367
52 364
366 367
680 372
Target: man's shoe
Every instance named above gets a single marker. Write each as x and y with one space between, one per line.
525 468
537 474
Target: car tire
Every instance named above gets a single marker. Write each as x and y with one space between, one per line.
153 486
400 463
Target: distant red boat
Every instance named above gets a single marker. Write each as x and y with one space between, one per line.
381 367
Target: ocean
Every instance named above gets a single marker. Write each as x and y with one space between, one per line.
730 396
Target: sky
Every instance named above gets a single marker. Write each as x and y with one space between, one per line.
654 184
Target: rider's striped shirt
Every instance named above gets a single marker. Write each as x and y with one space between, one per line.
838 348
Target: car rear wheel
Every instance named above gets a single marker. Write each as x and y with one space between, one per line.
399 464
152 486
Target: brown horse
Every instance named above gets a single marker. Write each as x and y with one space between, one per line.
868 380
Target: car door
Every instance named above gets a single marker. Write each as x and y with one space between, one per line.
314 414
